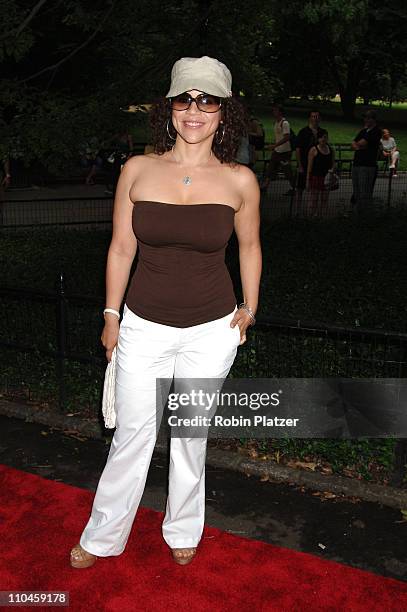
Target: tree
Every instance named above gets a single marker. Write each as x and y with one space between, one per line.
348 43
68 67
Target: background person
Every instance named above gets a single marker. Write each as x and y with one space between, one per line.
5 177
390 151
244 152
243 155
364 168
121 148
321 160
281 150
307 138
256 136
178 207
91 159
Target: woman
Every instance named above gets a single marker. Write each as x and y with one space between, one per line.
179 205
321 160
91 159
121 147
256 137
390 151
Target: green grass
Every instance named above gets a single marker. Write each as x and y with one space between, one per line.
334 271
340 130
330 271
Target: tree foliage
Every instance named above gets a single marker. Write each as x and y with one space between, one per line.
351 47
69 67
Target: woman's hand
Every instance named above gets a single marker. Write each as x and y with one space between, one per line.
243 320
110 335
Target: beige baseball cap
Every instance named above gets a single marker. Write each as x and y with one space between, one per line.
202 73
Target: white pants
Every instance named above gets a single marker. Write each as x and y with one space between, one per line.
395 156
146 351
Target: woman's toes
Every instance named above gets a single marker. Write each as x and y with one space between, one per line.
78 552
183 553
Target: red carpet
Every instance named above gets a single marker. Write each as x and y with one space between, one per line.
41 519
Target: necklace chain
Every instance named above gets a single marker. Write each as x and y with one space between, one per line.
187 179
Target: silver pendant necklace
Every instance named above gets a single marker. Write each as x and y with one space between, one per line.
187 180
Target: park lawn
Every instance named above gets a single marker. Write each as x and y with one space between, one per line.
341 130
332 271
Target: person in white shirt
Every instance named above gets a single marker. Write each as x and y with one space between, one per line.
281 150
390 150
243 152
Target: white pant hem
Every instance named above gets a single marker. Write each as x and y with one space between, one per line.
93 550
184 543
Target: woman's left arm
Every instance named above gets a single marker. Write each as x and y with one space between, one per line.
247 228
333 166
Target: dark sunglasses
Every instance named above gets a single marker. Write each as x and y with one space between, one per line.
204 102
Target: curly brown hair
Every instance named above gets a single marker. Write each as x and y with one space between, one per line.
234 119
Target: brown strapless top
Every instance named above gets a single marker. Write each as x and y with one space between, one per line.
181 278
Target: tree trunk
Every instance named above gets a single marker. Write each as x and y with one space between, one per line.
348 99
348 103
348 91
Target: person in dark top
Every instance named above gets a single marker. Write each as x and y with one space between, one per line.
121 147
364 168
321 160
177 208
256 137
307 138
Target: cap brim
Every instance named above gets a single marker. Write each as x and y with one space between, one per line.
203 85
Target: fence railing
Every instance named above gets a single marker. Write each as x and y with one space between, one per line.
281 198
52 351
25 175
344 155
66 326
56 212
278 201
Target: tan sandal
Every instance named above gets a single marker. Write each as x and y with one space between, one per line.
81 557
179 556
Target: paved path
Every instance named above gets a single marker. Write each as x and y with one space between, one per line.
360 534
276 204
54 204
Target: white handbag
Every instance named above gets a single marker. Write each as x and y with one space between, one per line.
108 410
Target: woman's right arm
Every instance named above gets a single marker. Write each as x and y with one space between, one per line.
311 154
122 251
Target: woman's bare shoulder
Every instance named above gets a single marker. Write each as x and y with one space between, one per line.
243 175
245 183
138 163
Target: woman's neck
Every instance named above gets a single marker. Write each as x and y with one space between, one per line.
192 154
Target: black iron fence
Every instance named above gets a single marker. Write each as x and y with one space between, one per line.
90 212
66 327
278 200
282 197
52 352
